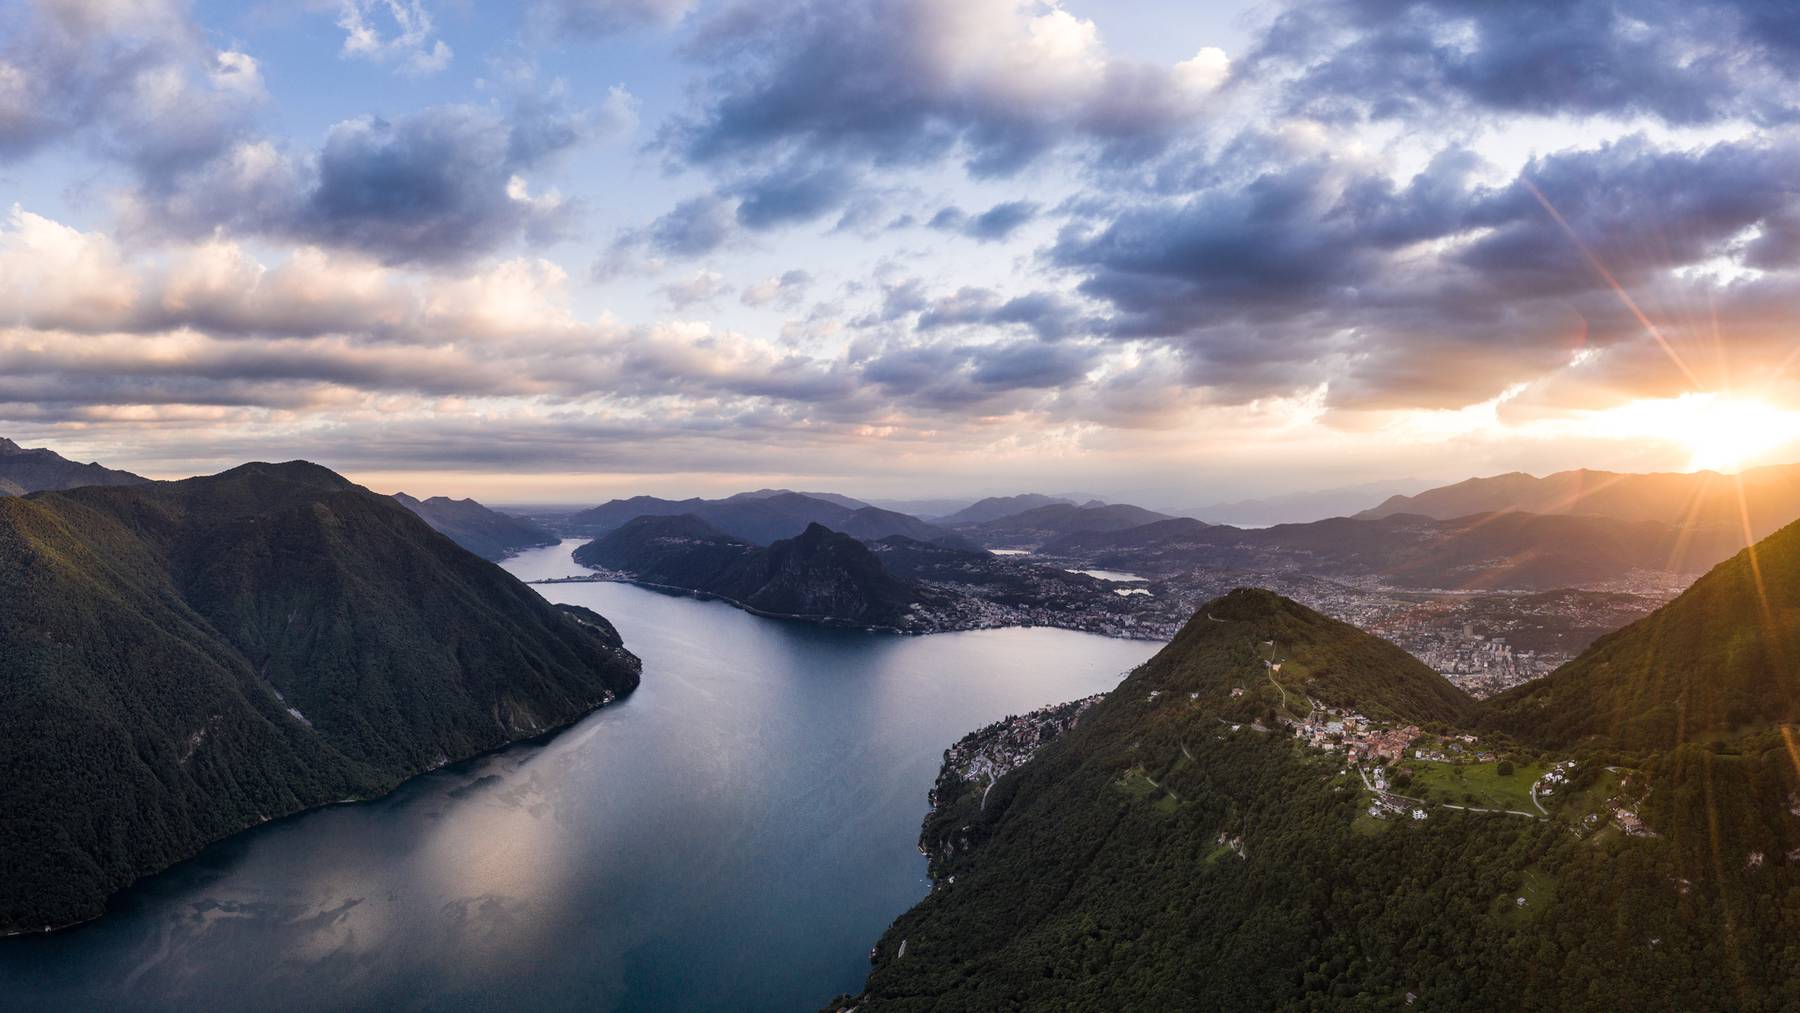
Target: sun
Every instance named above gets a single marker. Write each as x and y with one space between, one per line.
1719 432
1725 433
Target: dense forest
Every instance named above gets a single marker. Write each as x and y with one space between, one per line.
181 660
1719 659
1180 849
818 574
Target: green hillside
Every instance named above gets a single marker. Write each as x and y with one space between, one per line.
1180 848
1719 659
818 574
181 660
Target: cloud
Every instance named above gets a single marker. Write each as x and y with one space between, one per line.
956 376
786 196
441 185
1050 316
1444 290
434 186
997 83
1683 63
993 225
393 31
693 228
703 288
136 81
205 323
785 290
555 20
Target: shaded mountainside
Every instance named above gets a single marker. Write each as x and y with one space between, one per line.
995 507
1722 657
830 497
179 661
819 574
489 534
1517 551
1763 498
1166 852
1041 524
36 470
766 516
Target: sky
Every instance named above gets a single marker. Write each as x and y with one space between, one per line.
1171 253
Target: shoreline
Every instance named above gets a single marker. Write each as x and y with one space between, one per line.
827 621
544 734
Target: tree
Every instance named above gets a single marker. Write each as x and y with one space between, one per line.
1505 769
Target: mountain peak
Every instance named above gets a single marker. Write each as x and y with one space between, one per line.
296 472
1272 645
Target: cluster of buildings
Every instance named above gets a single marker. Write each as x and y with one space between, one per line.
1040 600
988 754
1631 823
1555 777
1361 738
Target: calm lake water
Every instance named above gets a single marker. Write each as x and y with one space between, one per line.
733 836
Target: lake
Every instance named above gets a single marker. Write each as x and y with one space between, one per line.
733 836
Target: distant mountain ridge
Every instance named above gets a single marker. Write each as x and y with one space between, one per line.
1510 551
488 533
767 516
25 470
1043 523
996 507
1298 507
182 660
1765 499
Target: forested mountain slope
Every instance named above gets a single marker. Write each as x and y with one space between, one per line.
181 660
1721 658
1180 848
819 574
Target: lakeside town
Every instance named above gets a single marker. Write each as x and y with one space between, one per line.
1482 642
